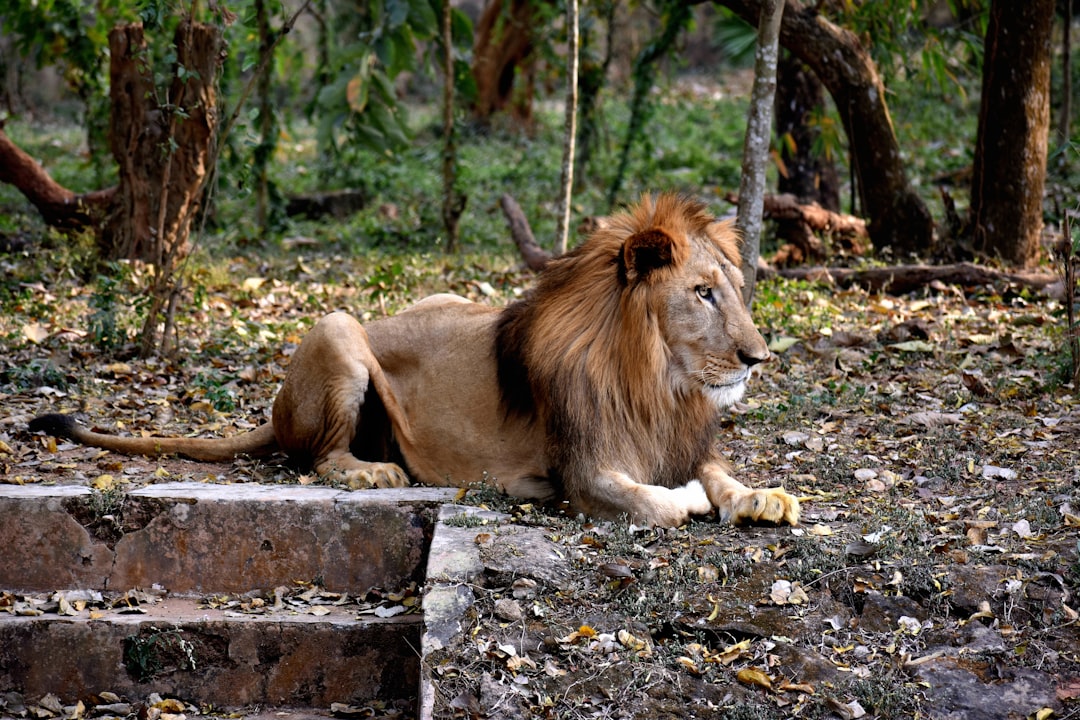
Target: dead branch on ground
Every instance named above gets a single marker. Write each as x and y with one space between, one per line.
901 279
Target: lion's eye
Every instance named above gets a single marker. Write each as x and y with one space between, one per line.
704 292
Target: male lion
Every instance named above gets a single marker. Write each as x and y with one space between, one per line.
603 385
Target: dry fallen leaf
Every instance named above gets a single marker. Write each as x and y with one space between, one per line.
753 676
35 333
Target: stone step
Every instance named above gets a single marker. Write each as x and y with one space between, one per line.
202 538
178 648
188 541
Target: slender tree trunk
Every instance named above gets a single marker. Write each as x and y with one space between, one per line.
591 79
806 173
453 202
1065 123
1009 173
567 186
267 120
898 217
677 15
322 53
756 145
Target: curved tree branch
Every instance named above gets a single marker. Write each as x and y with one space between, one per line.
898 217
59 207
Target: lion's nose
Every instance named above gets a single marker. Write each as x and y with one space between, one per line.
755 356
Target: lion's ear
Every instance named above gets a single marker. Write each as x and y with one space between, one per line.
646 251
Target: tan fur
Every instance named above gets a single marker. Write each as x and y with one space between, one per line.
603 385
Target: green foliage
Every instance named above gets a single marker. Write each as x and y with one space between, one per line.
737 37
116 306
903 40
676 17
361 101
155 651
213 387
74 35
34 374
105 332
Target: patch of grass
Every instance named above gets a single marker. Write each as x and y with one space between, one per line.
101 513
465 520
793 308
111 312
214 387
157 651
35 373
888 696
810 559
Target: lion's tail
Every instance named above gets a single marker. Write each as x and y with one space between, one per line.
258 442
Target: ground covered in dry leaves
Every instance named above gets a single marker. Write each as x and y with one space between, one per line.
932 439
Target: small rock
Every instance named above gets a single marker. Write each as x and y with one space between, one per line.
508 610
882 613
962 695
993 472
13 703
795 438
523 589
121 709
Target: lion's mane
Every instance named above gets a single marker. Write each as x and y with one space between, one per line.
584 353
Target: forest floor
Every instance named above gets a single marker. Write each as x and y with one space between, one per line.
931 438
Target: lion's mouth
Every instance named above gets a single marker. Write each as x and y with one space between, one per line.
726 394
733 380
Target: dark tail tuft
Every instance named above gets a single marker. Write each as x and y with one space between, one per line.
55 424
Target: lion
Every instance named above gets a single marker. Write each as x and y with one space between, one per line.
603 385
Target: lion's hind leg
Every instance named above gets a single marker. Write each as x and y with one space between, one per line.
318 412
737 503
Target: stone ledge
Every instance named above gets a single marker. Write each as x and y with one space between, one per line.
193 538
468 545
277 660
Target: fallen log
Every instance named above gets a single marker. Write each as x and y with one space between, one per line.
901 279
801 224
338 204
817 218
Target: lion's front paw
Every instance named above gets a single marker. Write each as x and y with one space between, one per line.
772 505
379 475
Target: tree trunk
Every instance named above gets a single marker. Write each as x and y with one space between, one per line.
1014 123
1065 123
808 174
898 217
749 220
536 257
453 204
675 16
503 41
161 147
566 190
903 279
267 120
591 78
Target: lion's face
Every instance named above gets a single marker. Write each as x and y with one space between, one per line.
712 340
